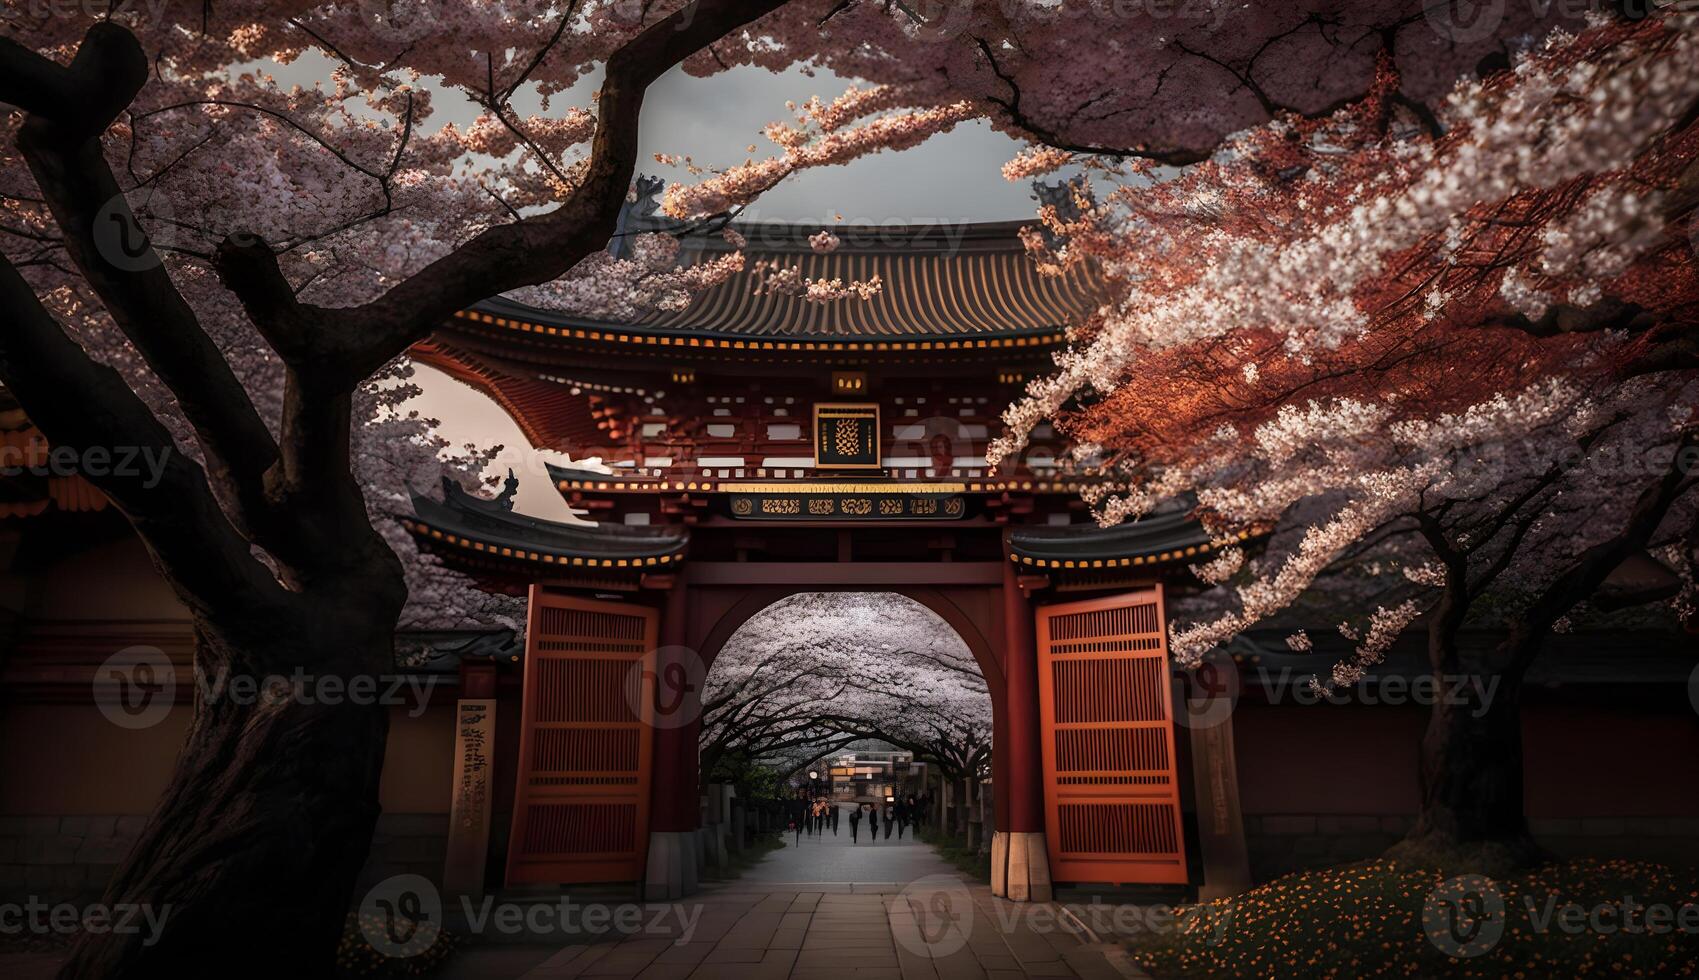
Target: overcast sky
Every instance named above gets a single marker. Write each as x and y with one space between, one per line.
953 177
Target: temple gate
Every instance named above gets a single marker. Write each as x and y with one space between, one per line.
755 445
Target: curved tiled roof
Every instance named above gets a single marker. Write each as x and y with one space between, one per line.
1150 540
486 527
940 282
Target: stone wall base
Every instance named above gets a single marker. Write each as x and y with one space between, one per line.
1020 866
672 867
1283 843
71 858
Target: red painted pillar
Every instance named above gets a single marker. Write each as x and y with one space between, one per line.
1023 768
673 803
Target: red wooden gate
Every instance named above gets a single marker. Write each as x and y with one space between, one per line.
1111 795
581 812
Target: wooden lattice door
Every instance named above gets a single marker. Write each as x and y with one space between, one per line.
1111 793
581 811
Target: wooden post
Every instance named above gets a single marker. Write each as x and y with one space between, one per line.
1221 824
1021 777
674 808
468 851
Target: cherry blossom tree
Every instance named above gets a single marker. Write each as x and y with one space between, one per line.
1458 340
816 671
294 224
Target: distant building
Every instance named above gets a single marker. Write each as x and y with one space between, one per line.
874 774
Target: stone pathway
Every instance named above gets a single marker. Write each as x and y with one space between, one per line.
824 908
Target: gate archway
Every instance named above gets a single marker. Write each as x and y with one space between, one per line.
756 445
810 670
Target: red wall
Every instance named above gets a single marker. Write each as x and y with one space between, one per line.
1580 760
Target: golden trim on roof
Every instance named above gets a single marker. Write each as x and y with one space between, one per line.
832 486
790 344
814 486
546 558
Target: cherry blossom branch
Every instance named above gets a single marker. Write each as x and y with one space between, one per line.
65 157
178 517
347 345
1583 578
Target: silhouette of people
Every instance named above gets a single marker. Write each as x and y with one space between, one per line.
890 819
855 823
873 821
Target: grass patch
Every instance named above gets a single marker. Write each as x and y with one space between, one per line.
752 854
1381 919
953 849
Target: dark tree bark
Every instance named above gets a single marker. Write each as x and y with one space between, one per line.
1471 771
251 854
1471 774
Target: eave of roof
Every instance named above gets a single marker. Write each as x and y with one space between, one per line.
483 528
571 478
1149 541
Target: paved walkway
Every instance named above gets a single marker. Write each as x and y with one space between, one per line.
824 908
833 858
819 908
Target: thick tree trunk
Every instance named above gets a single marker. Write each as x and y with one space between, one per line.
251 856
1471 768
1472 813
